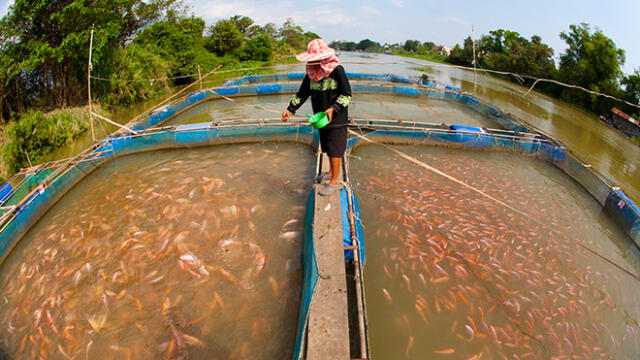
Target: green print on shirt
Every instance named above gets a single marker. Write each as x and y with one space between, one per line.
324 84
343 100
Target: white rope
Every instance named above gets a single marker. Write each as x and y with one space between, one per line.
114 123
518 77
460 182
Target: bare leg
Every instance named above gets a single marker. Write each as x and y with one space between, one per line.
334 172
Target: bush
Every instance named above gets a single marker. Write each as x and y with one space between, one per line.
258 48
135 64
38 134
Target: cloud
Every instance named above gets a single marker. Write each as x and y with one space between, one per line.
276 12
4 7
370 10
454 20
398 3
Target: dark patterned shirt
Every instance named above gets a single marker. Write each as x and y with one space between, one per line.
332 91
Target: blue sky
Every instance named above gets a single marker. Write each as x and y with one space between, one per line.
443 22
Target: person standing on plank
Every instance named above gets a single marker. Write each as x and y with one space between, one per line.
327 84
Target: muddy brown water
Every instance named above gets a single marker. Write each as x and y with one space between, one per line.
364 106
609 151
165 255
472 281
451 274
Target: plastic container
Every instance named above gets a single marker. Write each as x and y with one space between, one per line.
318 120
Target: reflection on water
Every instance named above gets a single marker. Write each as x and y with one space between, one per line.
452 274
610 152
363 106
165 255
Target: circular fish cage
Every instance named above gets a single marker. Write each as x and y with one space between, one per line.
461 261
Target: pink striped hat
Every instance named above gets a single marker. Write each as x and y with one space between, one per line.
316 50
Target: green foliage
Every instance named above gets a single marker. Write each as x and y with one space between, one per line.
47 40
592 61
508 51
632 92
368 45
294 36
134 65
224 37
632 86
411 45
259 48
243 23
462 56
344 45
37 134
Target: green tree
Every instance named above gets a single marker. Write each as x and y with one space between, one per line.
428 45
224 37
368 45
179 41
632 91
243 23
508 51
293 35
343 45
593 61
46 42
271 29
411 45
462 56
259 48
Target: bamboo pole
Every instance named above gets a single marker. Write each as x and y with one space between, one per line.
475 60
89 68
114 123
170 97
355 244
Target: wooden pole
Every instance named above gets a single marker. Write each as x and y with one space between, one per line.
170 97
114 123
475 60
200 77
89 68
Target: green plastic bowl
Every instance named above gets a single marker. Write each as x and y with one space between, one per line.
318 120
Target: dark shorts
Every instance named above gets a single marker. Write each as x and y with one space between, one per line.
333 141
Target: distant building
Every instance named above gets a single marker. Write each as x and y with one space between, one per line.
443 50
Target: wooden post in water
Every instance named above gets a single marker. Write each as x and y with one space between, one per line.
89 68
475 60
200 77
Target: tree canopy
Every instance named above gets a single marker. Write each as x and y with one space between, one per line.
44 49
593 61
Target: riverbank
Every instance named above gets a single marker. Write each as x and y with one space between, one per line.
433 57
37 136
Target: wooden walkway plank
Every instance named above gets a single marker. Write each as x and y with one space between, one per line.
328 331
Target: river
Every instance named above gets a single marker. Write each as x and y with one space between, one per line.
610 152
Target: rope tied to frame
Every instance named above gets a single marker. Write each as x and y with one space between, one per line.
501 203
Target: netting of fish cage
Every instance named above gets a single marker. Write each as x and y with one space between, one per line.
458 273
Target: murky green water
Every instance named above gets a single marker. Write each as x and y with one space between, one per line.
363 106
165 255
453 274
610 152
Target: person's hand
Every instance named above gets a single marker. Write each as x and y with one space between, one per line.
286 115
329 113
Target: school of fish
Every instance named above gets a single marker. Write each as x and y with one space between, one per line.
451 274
180 254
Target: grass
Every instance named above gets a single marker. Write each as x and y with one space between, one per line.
433 57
